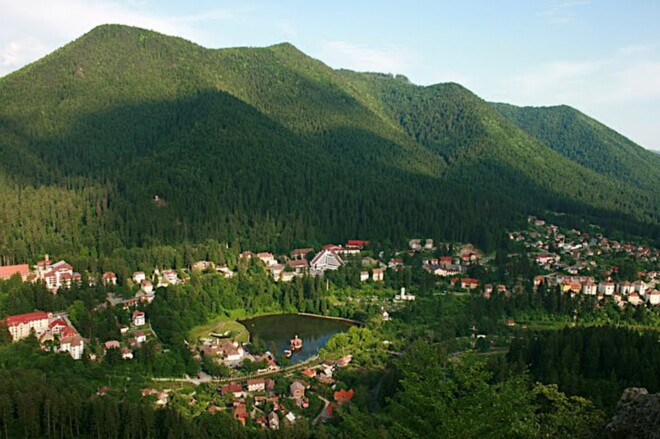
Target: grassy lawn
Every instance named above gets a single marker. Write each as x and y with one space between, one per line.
220 325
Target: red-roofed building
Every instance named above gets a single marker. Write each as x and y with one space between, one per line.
466 283
309 373
357 243
300 253
109 278
298 265
344 396
21 325
256 385
235 389
240 412
8 271
139 318
111 344
73 344
267 258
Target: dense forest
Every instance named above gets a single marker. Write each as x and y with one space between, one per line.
126 138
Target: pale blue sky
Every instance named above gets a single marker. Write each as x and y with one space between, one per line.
602 57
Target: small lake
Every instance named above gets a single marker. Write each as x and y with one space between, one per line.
314 331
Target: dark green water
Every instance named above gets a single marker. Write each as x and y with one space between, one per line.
315 332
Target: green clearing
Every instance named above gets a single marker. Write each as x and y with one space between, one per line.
220 324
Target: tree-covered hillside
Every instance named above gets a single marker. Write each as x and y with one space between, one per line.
587 142
126 137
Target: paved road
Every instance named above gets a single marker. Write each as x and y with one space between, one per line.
204 378
320 415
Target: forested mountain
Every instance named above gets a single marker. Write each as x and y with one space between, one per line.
588 142
126 137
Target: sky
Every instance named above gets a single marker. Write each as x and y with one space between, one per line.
601 57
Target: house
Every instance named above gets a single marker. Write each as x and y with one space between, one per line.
384 315
653 297
140 337
635 299
276 270
446 269
299 266
232 351
139 277
428 245
21 325
126 354
357 243
74 345
287 276
301 253
273 421
626 287
23 270
573 287
161 398
239 412
415 244
290 417
466 283
57 275
395 263
202 266
640 287
147 286
171 276
225 271
257 385
111 344
57 326
297 389
590 288
606 288
123 329
402 296
364 276
377 275
345 360
309 373
326 259
343 396
267 258
109 278
235 389
139 318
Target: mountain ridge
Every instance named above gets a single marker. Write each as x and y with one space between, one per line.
271 147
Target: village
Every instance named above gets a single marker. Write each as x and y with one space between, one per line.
569 260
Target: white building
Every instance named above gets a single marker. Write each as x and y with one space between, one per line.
139 318
74 345
138 277
21 325
589 288
326 259
606 288
402 296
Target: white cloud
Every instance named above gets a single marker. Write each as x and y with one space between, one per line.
17 53
387 59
